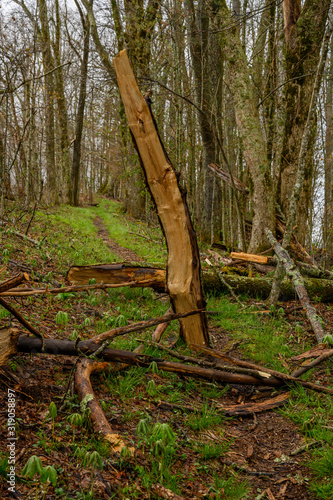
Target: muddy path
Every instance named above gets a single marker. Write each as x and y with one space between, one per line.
126 254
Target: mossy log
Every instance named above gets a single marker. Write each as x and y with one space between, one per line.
318 289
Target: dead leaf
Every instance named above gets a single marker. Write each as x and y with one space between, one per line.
249 451
283 361
283 489
270 494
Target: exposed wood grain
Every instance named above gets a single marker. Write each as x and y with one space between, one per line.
183 266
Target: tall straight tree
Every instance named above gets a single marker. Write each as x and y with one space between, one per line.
250 130
75 171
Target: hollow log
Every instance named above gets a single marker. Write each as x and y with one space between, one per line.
8 342
318 289
183 266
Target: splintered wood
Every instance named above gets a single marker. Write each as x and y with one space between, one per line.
183 267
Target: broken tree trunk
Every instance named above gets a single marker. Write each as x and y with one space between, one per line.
298 282
250 257
8 341
255 287
304 268
117 273
183 268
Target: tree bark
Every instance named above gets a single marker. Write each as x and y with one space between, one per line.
183 268
75 171
247 118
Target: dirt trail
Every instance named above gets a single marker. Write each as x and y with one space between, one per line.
124 253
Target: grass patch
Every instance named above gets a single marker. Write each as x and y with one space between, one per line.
125 232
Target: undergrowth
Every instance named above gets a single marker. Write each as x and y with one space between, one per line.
175 449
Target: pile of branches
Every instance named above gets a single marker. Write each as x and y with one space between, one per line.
95 355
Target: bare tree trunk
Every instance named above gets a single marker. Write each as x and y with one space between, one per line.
75 173
49 106
62 111
249 127
183 269
328 209
304 30
302 161
198 26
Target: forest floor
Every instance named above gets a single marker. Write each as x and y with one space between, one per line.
285 453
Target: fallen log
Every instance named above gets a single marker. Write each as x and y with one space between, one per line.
250 408
249 257
298 283
117 273
235 410
304 268
87 367
12 282
255 287
70 348
262 370
183 267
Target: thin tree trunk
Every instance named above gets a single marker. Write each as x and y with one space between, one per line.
302 161
75 172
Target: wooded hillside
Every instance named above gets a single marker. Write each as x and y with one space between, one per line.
241 95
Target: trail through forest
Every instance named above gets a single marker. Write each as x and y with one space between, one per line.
125 253
264 455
